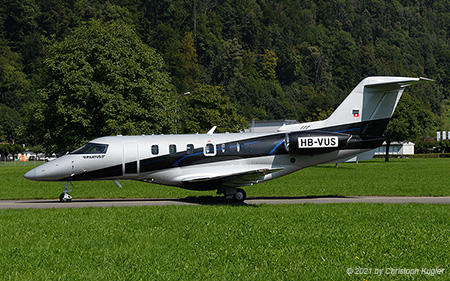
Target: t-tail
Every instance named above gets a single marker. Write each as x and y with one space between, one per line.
367 109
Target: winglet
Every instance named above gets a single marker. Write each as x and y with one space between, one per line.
211 131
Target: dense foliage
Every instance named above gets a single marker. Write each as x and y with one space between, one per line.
272 59
207 107
101 80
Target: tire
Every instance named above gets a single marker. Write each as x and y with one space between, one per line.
240 195
62 199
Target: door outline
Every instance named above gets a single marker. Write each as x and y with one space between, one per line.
130 158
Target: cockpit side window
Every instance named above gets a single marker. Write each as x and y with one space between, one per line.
91 148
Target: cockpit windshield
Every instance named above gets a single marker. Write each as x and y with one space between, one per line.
91 148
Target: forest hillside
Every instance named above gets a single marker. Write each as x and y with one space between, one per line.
258 59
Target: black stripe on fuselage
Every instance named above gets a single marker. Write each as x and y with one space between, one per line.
242 149
367 128
247 148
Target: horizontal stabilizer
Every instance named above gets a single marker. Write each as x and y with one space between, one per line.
396 84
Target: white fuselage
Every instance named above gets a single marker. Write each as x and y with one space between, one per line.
127 156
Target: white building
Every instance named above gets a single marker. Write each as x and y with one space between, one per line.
268 126
396 148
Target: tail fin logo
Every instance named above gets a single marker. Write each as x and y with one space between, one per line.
355 112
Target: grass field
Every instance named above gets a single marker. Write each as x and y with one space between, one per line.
220 242
402 177
285 242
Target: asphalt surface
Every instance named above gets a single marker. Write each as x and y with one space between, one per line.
83 203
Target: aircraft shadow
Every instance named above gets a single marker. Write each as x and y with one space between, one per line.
199 200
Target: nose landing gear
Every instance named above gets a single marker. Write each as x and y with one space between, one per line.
65 196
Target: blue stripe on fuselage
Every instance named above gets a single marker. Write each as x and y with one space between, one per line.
184 157
276 147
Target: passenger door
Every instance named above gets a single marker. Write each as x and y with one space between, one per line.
130 158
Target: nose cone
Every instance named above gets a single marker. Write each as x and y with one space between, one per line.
55 170
31 175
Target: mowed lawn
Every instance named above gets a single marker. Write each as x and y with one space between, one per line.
401 177
236 242
278 242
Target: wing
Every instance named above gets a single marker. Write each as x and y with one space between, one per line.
231 180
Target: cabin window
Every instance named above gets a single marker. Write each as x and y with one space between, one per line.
172 148
91 148
190 148
238 147
223 147
155 149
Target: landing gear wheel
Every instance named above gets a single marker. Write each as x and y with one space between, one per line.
65 197
240 195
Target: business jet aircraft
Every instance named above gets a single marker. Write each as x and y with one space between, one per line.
224 162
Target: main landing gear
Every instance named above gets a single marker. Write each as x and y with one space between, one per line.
65 196
233 194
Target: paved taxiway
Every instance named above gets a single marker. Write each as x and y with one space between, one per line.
82 203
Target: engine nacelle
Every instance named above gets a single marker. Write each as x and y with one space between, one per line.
311 143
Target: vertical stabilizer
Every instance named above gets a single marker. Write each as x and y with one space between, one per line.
375 98
366 110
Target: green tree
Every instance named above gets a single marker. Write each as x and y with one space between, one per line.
229 63
14 85
409 122
19 19
2 134
268 65
11 124
207 107
101 80
9 148
181 58
319 114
